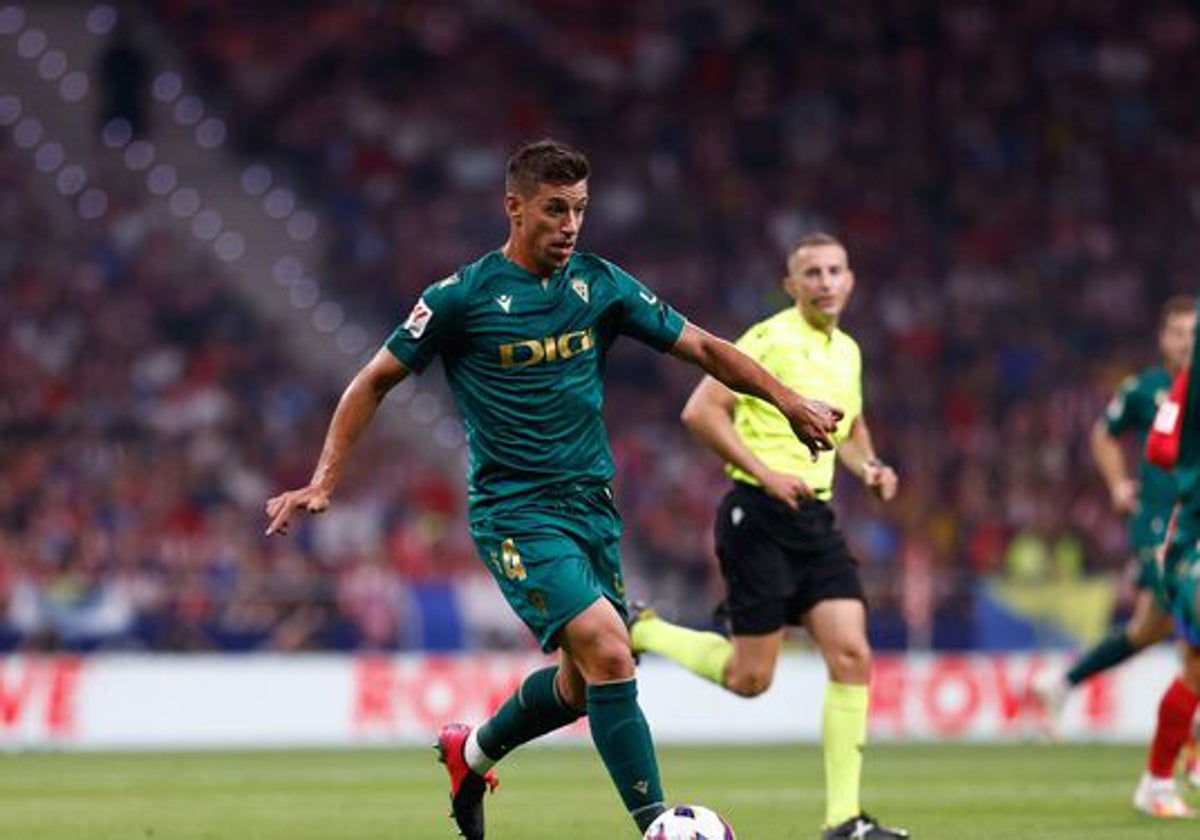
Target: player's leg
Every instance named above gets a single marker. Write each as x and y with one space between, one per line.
704 653
1189 627
744 664
1191 756
752 665
833 610
597 644
838 628
758 581
542 704
1149 625
1157 793
538 569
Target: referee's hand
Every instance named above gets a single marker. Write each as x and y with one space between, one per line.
881 480
789 489
813 422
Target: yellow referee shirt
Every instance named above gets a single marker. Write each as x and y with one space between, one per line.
820 366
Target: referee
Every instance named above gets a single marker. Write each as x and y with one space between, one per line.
782 555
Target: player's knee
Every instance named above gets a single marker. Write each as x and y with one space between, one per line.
1142 634
609 662
850 662
1138 636
750 682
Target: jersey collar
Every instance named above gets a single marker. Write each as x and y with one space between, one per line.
525 274
809 332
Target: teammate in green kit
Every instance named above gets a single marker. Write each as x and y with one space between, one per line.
1157 793
523 334
1146 500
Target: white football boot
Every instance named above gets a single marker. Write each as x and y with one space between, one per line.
1160 798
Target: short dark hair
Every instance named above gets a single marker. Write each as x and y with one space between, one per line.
544 162
811 240
1176 305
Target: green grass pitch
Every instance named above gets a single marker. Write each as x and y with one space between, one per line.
768 793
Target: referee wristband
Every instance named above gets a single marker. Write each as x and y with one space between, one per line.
873 461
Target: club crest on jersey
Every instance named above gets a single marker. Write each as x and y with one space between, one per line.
580 287
505 302
418 319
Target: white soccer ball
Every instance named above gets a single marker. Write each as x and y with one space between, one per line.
689 822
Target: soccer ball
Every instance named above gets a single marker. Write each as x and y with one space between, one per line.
689 822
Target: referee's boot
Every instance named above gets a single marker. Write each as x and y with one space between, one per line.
863 827
638 611
466 786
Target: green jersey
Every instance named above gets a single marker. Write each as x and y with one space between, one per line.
1132 410
1187 468
525 358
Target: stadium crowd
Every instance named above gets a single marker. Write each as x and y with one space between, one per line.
1017 185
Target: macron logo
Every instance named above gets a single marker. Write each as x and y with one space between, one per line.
505 302
649 297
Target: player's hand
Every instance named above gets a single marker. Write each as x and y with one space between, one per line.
1124 497
813 422
881 480
788 489
280 508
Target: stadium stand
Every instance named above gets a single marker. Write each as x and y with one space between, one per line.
1011 251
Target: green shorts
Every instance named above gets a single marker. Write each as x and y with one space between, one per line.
1149 577
555 557
1182 584
1148 527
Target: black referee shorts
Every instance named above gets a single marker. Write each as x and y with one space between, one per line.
778 564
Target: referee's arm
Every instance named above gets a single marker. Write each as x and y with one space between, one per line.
708 415
857 454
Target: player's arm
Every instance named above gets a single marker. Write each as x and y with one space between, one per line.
813 421
1110 461
857 454
354 411
709 415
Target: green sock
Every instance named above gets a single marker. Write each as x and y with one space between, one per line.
1113 650
533 711
622 738
844 728
704 654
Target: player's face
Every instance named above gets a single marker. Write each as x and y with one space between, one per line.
820 281
546 224
1175 340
